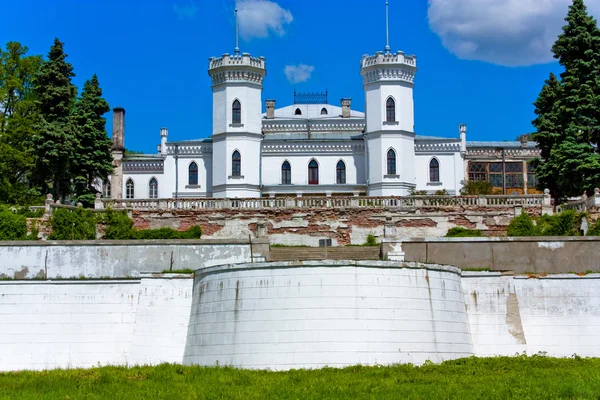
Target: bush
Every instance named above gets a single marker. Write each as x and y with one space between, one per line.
472 188
118 225
459 231
78 224
566 223
522 226
371 240
194 232
12 226
594 229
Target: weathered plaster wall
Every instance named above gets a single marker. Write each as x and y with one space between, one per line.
343 226
549 255
119 259
556 314
82 324
326 313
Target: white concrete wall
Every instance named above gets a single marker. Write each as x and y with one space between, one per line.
557 314
451 172
168 184
250 98
326 313
83 324
118 259
380 184
376 95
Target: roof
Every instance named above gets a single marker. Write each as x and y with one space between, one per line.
435 138
313 111
323 136
502 145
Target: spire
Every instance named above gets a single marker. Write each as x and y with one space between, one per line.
387 31
237 47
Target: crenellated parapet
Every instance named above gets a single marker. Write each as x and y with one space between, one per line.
392 67
237 69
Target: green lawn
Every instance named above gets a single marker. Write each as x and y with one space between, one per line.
497 378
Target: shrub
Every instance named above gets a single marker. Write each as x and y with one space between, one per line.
522 226
12 226
414 192
566 223
472 188
118 225
594 229
194 232
442 192
371 240
459 231
78 224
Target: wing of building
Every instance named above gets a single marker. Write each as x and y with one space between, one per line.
312 147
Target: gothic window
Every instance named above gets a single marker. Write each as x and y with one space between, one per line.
313 173
236 112
391 162
434 170
390 108
298 112
193 174
106 189
340 172
153 188
236 164
129 189
323 111
286 173
478 172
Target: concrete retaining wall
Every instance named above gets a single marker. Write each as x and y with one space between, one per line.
326 313
120 259
82 324
539 255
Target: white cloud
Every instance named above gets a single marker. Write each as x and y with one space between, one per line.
259 18
298 73
505 32
185 12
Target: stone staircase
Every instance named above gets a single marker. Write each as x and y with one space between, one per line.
325 253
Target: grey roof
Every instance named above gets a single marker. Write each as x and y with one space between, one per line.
435 138
502 145
192 141
314 136
142 157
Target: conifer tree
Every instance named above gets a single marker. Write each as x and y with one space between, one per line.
568 113
55 139
93 157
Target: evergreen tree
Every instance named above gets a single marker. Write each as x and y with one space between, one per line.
568 112
55 139
93 159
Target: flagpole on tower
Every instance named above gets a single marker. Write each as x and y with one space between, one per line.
237 47
387 30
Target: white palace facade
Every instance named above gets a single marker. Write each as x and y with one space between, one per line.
313 148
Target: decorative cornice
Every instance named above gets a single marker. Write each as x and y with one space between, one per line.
437 146
296 126
497 153
237 69
389 73
388 67
190 149
313 148
143 166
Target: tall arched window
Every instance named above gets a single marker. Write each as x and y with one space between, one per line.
236 164
391 162
434 170
313 173
323 111
236 112
340 172
390 108
153 188
106 189
298 112
129 189
193 174
286 173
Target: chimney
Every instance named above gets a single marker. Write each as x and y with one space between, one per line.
118 135
463 138
346 107
164 133
524 141
270 109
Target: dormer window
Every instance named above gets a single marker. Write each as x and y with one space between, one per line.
390 108
298 112
236 112
323 111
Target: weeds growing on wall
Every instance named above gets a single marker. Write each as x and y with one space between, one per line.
118 225
459 231
77 224
567 223
371 240
472 188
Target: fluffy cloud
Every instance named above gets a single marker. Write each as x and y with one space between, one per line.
185 12
258 18
505 32
298 73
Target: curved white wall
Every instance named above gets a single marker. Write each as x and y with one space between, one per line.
313 314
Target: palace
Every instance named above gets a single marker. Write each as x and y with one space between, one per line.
315 148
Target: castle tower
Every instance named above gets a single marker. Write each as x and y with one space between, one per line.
237 124
388 82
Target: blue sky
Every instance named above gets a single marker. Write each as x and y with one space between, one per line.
480 62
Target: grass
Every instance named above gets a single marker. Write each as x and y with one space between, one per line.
179 271
522 377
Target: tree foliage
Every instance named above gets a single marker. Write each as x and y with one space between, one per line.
568 110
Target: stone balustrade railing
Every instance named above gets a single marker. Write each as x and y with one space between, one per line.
585 204
525 201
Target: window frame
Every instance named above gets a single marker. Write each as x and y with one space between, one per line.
286 173
340 172
236 112
313 172
153 188
236 164
434 170
193 174
391 164
390 110
129 184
